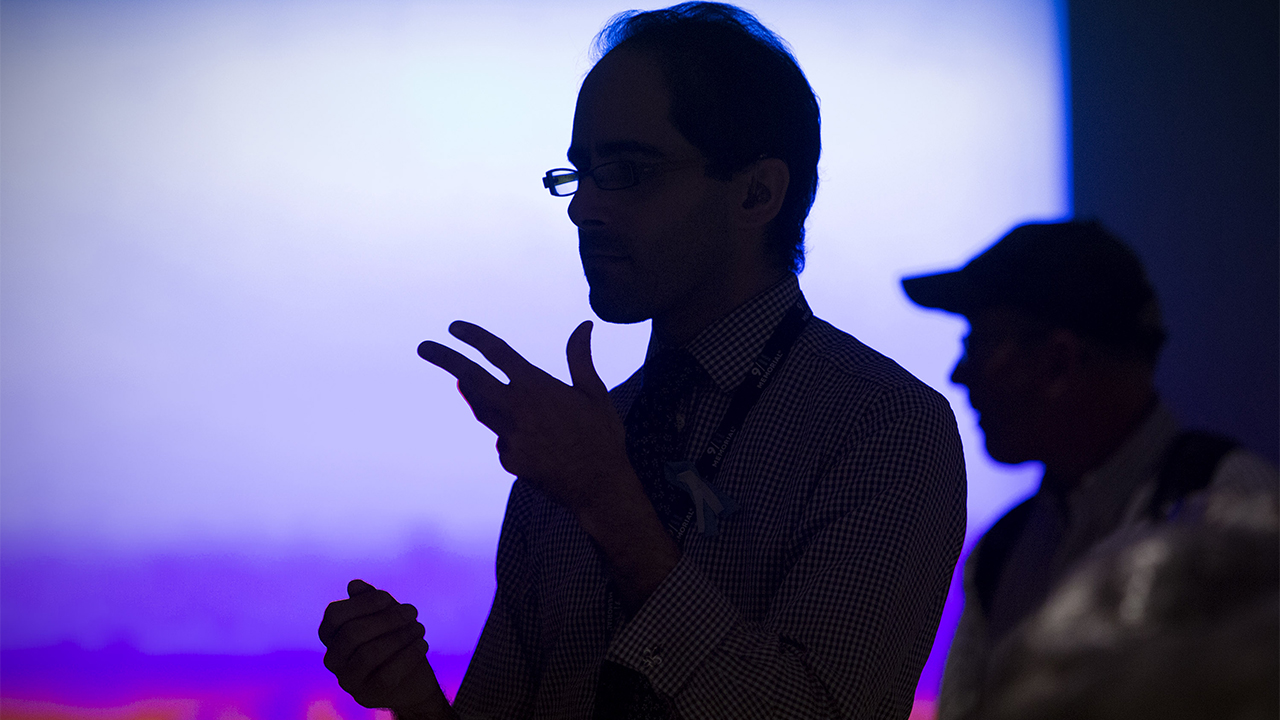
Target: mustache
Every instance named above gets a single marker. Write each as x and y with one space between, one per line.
601 243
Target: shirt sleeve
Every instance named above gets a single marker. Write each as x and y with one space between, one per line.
499 681
850 626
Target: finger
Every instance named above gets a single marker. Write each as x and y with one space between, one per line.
494 349
359 672
482 391
410 614
460 366
581 368
358 587
412 685
357 638
341 612
392 673
361 631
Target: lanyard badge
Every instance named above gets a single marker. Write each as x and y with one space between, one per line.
709 504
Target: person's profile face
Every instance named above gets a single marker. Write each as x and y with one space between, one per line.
998 368
647 248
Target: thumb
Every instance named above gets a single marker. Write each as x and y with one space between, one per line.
358 587
581 369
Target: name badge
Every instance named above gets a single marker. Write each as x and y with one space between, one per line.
709 504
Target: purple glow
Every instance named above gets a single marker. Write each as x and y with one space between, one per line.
227 225
235 604
68 682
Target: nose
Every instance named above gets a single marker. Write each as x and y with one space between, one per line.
586 208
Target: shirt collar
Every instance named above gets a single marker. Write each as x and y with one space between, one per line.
1106 490
726 348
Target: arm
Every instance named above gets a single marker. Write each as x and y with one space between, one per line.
852 622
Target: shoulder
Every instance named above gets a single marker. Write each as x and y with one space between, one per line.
1197 463
877 431
867 383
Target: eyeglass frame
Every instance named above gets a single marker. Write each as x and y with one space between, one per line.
551 181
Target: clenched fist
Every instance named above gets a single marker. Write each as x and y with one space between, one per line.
377 651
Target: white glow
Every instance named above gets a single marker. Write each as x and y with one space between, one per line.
227 226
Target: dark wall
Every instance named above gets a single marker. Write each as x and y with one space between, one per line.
1175 112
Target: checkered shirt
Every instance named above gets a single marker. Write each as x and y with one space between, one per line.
819 596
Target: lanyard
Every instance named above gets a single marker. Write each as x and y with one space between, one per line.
749 391
762 372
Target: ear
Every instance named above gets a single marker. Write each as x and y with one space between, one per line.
763 187
1061 364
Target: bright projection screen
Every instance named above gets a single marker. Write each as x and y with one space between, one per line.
227 225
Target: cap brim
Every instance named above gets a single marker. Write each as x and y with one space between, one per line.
950 291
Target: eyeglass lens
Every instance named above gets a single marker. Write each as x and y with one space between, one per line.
608 176
561 182
614 175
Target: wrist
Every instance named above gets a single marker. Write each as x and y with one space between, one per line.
619 512
433 705
637 548
427 711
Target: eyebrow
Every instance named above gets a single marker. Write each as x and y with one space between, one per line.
616 147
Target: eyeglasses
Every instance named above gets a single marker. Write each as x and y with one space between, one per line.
614 175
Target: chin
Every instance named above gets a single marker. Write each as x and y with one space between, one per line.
1003 451
613 308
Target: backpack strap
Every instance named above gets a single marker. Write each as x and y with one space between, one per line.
1187 467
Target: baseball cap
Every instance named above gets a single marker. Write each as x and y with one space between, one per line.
1075 275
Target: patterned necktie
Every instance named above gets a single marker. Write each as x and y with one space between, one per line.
655 432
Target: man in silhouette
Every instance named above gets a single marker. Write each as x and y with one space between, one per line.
761 522
1059 362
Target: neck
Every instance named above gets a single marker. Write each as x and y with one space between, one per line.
681 324
1097 435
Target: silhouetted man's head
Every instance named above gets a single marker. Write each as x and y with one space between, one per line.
718 131
737 94
1058 313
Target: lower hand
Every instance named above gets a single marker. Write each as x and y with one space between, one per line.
377 651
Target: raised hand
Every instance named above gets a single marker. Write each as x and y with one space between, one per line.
569 442
566 440
377 651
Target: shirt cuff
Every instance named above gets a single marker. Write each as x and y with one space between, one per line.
681 623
